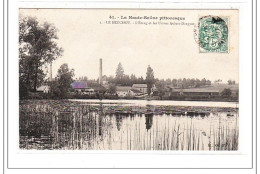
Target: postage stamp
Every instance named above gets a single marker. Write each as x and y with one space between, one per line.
213 34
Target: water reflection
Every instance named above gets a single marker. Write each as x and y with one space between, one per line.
103 127
148 121
119 120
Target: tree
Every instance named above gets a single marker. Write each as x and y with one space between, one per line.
184 83
37 47
125 80
149 79
119 73
161 87
65 78
188 83
218 81
174 82
192 82
83 78
226 92
111 79
62 83
133 79
231 82
179 83
140 80
55 91
112 88
203 82
168 81
208 82
197 83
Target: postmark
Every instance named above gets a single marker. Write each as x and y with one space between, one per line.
213 34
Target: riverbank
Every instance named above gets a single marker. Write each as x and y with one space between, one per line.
39 96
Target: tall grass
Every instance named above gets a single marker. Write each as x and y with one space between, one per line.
181 138
68 125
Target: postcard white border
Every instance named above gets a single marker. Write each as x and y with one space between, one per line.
126 159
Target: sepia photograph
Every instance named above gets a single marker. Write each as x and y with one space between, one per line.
128 79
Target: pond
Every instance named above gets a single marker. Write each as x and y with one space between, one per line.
128 125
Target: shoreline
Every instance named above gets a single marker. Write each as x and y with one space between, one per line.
120 99
141 103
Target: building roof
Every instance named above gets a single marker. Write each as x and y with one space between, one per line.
79 85
136 91
209 89
43 87
123 88
139 85
221 87
83 85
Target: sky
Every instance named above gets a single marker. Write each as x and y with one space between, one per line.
171 50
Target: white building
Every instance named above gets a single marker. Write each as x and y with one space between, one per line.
134 92
43 88
122 91
140 87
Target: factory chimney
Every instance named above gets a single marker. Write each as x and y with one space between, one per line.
100 71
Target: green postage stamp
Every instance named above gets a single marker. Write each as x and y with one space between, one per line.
213 34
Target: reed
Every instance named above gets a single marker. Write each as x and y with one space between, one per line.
222 137
70 125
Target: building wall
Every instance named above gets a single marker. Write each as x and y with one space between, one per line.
191 94
143 90
131 93
200 94
122 93
85 91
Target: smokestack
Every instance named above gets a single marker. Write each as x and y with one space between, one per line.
100 71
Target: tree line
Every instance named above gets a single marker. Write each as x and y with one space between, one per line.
38 48
125 80
122 79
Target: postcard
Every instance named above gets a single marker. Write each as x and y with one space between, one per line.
128 79
98 85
